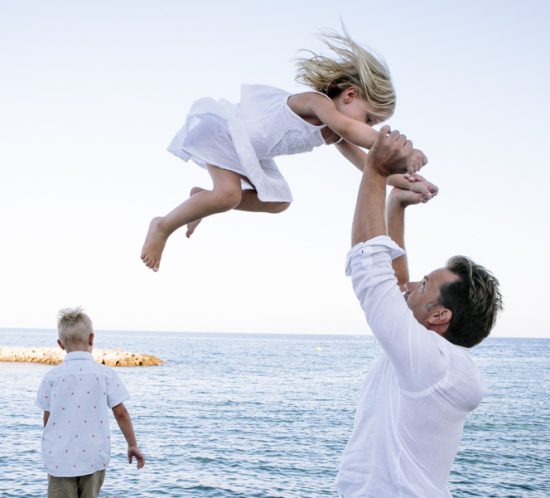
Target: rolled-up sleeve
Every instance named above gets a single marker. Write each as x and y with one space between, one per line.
413 350
116 390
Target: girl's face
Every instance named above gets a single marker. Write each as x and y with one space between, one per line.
355 107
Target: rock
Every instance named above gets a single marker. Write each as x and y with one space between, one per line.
55 356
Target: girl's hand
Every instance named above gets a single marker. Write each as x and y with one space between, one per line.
414 183
416 160
422 186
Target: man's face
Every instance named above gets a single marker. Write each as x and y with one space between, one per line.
422 296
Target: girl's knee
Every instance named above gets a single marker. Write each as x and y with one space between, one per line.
195 190
279 207
228 197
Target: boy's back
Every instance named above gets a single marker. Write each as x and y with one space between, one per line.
78 395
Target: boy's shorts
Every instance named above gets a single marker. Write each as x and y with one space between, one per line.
76 487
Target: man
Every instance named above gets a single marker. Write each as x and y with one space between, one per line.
415 399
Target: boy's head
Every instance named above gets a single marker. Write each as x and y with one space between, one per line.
75 330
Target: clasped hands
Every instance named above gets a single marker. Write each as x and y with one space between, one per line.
393 153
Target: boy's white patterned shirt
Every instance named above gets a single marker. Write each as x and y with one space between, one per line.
78 394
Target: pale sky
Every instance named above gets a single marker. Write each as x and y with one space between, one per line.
92 92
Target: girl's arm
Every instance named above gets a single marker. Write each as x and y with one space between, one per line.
318 109
315 105
353 154
358 157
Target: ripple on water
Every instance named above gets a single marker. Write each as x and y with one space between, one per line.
268 416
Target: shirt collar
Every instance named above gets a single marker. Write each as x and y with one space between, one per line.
78 355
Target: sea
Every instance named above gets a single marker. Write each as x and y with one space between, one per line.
268 416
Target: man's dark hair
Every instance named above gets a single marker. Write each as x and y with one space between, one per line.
474 300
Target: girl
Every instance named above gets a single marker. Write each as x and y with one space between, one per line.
350 92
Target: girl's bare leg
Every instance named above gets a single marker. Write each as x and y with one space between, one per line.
226 194
249 202
191 226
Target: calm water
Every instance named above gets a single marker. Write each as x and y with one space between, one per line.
268 416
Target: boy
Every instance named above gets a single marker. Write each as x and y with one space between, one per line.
75 397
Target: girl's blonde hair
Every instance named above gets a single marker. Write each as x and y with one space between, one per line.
351 65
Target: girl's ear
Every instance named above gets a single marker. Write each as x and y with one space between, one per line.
350 93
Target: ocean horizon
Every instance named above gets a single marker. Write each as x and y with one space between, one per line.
268 415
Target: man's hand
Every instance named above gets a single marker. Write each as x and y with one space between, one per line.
392 153
404 198
133 451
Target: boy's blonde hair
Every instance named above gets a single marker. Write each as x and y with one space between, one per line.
351 65
74 326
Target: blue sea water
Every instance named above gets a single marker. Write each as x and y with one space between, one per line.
235 415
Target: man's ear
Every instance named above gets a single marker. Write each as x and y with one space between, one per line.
439 319
60 344
91 339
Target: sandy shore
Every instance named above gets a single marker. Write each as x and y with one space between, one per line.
55 356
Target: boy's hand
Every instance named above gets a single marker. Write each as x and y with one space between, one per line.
133 451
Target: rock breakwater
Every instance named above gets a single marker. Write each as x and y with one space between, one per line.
55 356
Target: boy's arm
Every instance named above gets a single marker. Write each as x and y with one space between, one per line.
46 417
125 423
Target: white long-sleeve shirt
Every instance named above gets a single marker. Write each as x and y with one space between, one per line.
415 399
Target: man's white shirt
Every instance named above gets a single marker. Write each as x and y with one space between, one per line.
414 400
78 394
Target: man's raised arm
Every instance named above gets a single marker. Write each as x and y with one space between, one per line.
387 156
410 190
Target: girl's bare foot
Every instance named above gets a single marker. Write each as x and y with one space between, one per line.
154 245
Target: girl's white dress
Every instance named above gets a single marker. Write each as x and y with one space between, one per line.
245 137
